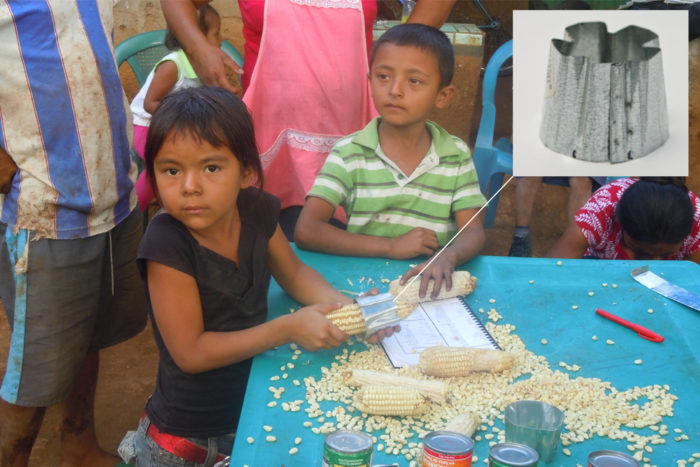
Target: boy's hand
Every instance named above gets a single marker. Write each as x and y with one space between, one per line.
313 331
440 270
416 242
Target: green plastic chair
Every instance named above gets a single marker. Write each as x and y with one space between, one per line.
143 51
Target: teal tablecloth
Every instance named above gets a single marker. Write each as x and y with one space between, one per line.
541 309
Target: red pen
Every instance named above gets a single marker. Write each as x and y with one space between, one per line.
642 331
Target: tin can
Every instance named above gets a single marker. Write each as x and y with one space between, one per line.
512 455
347 449
447 449
611 459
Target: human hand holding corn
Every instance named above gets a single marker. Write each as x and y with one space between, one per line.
312 328
460 283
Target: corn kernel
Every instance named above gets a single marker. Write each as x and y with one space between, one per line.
610 342
293 451
650 311
250 440
267 428
544 341
270 439
558 263
638 361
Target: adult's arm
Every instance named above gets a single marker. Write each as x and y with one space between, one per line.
209 62
313 232
431 12
572 244
8 168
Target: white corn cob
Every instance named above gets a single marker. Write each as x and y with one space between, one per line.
460 361
463 283
434 390
349 318
389 400
465 423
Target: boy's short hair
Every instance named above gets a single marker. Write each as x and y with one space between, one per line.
426 38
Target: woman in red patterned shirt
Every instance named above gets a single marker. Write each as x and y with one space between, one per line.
645 218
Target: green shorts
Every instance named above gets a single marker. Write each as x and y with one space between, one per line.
63 299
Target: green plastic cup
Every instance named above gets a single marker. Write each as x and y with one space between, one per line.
535 424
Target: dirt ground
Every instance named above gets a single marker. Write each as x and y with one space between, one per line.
128 370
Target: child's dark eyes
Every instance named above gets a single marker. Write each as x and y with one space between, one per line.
211 168
415 81
171 171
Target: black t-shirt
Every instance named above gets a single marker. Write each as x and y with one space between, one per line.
233 297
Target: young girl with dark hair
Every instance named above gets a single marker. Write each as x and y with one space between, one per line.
648 218
207 261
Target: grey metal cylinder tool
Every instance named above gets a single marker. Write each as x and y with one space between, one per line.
604 97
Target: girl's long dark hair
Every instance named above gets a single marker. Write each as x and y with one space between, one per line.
656 210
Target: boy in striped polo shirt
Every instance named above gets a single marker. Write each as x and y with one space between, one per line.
405 184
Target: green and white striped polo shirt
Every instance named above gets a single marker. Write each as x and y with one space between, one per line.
381 200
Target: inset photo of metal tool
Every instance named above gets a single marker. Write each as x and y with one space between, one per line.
600 93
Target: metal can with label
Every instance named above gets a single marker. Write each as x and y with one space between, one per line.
512 455
447 449
611 459
347 449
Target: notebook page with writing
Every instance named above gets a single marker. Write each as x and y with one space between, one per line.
448 322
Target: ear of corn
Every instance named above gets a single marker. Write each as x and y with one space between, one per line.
463 283
465 423
460 361
432 389
349 318
389 400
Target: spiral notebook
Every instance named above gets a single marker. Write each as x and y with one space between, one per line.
448 322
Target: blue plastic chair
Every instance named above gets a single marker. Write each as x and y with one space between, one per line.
144 50
492 161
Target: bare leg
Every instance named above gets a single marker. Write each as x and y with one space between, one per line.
580 192
525 192
78 441
19 427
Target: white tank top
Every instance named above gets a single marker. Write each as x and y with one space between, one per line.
186 77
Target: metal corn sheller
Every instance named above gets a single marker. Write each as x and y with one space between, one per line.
605 99
379 311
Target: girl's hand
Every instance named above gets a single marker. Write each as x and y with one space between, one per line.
313 331
440 270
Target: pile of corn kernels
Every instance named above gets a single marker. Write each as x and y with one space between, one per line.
591 406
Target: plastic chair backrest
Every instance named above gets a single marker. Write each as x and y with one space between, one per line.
484 138
144 50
